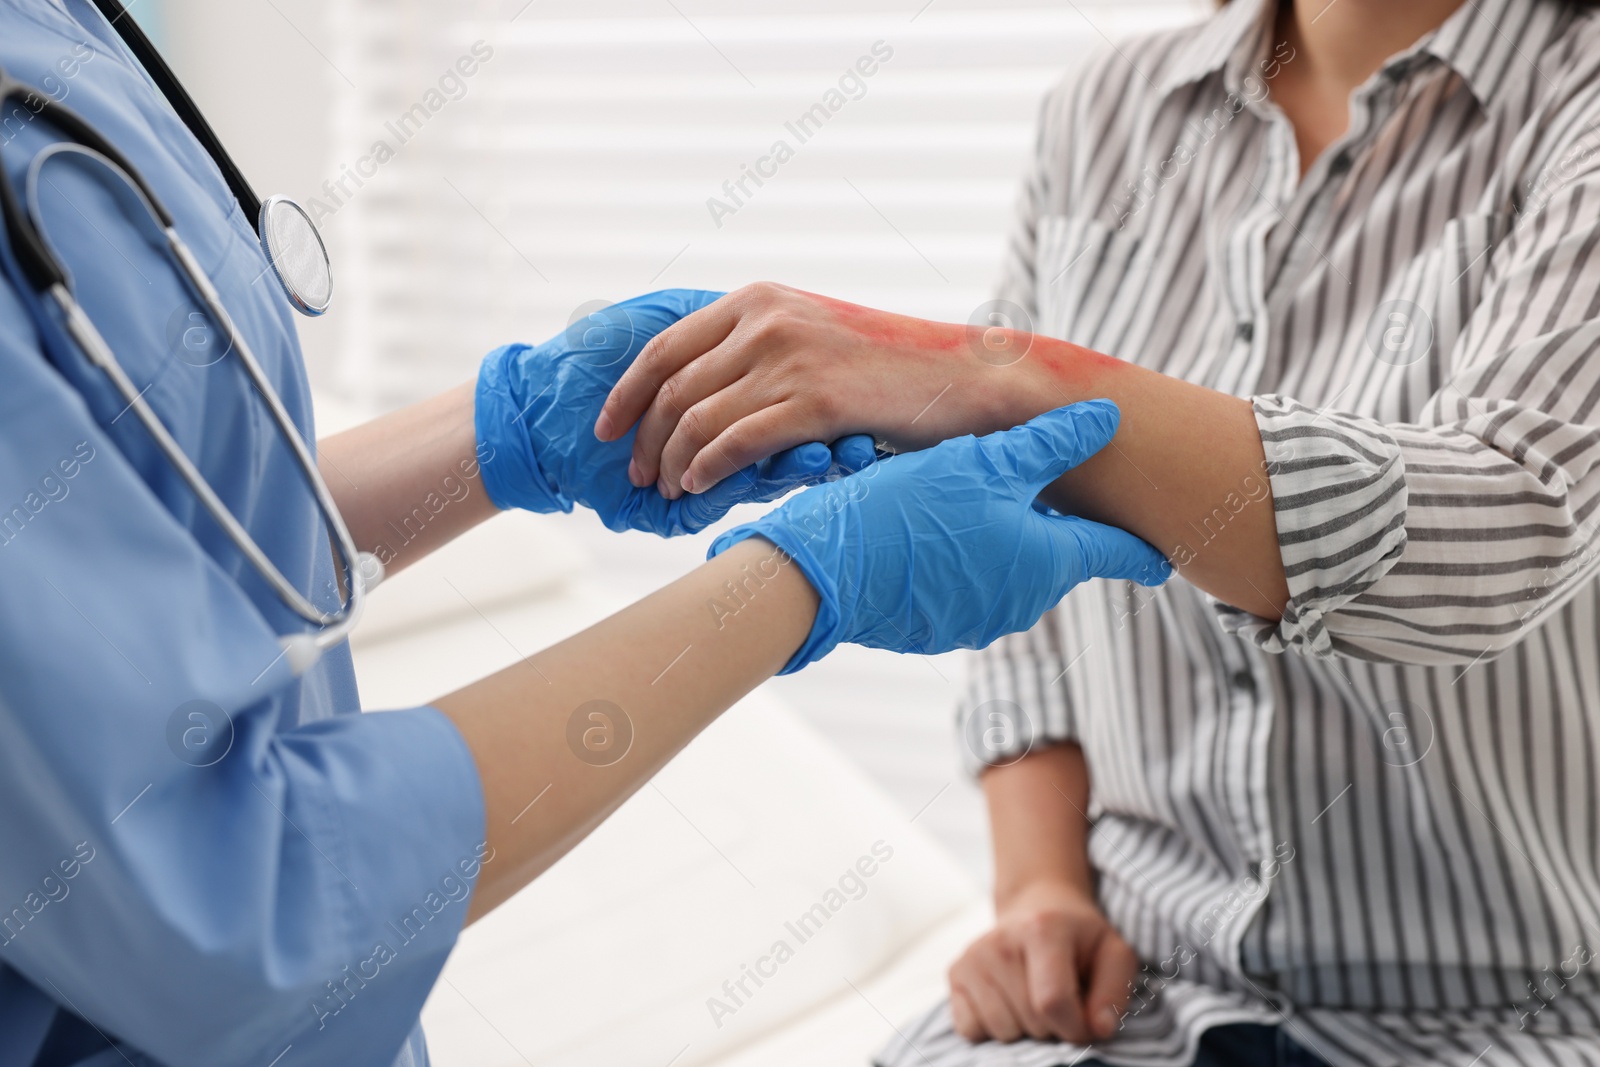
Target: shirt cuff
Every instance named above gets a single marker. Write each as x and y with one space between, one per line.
1339 499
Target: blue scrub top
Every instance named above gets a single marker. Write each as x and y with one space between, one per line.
203 859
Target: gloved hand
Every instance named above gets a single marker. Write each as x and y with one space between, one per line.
535 413
943 549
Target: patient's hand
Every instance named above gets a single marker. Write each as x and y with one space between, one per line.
769 367
533 406
1052 968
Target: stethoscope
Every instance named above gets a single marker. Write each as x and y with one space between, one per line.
299 261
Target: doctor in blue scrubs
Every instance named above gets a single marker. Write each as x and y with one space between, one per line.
207 856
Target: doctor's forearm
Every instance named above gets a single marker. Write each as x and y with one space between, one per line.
409 482
562 738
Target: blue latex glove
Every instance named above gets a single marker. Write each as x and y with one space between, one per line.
535 412
943 549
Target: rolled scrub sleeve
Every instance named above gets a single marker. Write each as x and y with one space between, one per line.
1445 539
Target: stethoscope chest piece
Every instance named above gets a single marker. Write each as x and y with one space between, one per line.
299 258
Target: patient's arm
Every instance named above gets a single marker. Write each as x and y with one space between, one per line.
1053 967
768 367
1039 823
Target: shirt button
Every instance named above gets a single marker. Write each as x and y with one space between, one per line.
1246 332
1339 164
1243 681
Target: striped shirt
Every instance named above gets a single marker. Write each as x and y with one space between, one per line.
1377 821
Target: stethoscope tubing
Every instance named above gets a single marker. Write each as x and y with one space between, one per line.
44 269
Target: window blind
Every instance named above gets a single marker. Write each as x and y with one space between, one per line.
503 165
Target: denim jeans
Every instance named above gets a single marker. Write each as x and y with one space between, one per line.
1246 1045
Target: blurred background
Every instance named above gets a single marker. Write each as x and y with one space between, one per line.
575 166
595 152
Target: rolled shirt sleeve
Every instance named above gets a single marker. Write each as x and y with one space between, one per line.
1445 539
1340 495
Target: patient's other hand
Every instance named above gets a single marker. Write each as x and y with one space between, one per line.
1053 968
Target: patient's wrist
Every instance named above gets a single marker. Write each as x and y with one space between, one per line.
1052 892
1008 382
